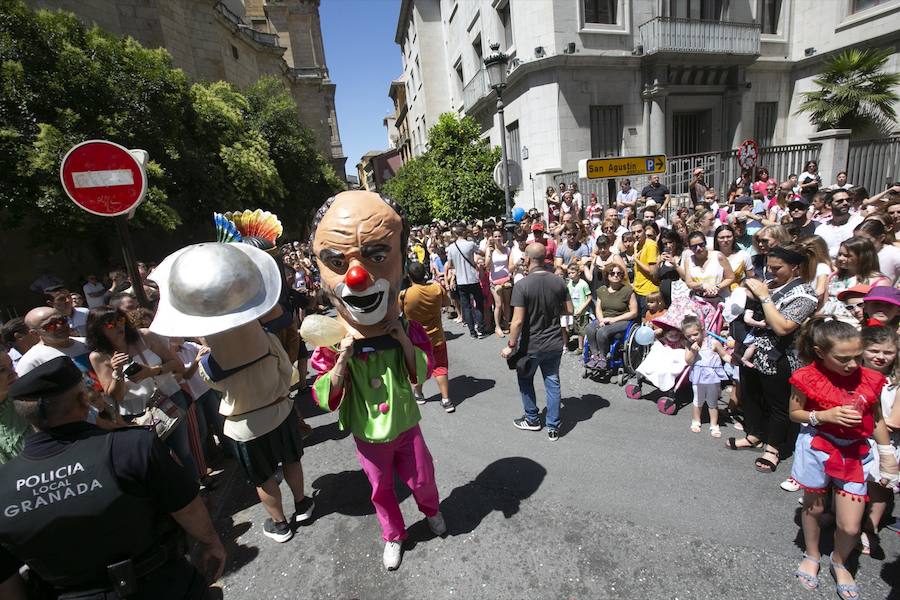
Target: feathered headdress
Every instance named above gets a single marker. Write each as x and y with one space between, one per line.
235 226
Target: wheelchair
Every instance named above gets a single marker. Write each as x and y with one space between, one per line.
625 354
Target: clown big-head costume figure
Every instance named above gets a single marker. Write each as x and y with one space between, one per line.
360 241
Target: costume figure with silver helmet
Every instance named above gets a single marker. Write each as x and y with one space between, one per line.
224 292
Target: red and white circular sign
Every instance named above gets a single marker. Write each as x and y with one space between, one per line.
748 154
103 178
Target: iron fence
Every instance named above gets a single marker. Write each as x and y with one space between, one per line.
874 164
721 171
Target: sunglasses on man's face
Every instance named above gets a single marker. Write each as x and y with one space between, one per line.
698 246
113 323
54 325
616 274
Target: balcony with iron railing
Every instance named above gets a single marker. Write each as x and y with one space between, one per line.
669 35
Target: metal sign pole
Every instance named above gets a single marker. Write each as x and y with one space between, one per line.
137 284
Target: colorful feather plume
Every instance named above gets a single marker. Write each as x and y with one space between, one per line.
225 229
256 223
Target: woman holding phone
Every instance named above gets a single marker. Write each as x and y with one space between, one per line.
132 367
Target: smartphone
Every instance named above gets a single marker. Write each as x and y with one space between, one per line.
132 369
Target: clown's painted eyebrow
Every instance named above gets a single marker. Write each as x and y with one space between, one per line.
328 254
368 250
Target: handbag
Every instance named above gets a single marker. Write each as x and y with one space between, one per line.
161 414
501 282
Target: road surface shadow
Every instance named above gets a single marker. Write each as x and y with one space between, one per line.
348 493
463 387
890 573
502 486
324 433
574 410
451 335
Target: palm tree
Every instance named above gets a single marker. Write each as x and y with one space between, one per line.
854 93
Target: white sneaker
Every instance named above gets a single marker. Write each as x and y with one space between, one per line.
789 485
391 557
437 524
447 404
420 398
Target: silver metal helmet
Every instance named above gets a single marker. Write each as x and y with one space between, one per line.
212 287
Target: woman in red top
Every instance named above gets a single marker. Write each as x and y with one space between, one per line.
840 401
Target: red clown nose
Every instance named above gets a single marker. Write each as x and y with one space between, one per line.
357 278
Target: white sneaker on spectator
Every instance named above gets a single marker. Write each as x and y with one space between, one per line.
392 554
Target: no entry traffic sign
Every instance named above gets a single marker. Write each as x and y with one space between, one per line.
103 178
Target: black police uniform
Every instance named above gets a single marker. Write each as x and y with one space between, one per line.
88 511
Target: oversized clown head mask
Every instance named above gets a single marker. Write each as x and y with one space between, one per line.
358 243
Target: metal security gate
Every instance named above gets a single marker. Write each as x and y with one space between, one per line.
691 132
874 164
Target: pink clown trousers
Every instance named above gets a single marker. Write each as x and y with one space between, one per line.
409 456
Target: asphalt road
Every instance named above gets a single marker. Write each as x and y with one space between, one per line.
627 504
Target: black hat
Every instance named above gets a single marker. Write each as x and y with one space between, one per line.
802 201
743 200
51 378
55 288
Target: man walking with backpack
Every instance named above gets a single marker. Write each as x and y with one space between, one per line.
461 258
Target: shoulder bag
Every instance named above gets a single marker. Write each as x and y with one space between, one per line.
162 414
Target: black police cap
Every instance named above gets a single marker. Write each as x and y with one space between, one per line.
51 378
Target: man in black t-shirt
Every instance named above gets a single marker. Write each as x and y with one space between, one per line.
538 302
656 191
800 226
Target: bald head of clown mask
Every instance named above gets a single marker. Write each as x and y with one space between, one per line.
359 240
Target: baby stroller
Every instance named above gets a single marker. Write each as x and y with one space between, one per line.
664 367
625 354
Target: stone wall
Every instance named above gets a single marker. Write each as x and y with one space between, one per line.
206 43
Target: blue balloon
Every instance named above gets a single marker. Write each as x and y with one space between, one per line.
644 335
517 213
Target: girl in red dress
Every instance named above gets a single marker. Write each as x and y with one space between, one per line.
838 401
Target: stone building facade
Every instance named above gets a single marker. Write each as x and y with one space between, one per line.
233 40
628 77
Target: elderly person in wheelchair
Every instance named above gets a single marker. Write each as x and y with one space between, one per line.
615 306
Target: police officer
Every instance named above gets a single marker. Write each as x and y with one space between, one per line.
93 513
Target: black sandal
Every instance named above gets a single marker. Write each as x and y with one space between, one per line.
764 465
731 443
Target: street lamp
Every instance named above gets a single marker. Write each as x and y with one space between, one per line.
495 65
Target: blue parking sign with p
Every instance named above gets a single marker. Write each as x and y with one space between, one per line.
650 164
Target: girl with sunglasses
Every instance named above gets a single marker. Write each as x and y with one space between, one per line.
132 367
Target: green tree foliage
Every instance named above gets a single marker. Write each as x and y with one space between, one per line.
212 147
408 187
854 93
454 178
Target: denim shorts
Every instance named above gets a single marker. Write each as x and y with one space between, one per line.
808 469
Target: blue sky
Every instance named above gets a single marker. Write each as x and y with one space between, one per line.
362 60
